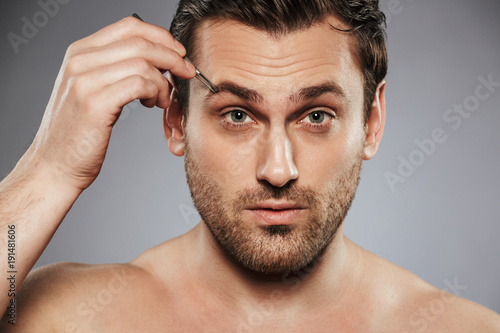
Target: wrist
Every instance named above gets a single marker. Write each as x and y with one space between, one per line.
44 177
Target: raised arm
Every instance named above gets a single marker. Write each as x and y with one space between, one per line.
99 75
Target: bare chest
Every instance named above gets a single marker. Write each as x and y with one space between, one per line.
206 317
183 310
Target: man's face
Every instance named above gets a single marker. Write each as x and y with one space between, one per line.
273 159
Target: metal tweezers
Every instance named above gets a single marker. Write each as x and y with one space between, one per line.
202 78
199 75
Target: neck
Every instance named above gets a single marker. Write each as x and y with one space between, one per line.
327 276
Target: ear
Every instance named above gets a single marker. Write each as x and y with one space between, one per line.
173 124
375 123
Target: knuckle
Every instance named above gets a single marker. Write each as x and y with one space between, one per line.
138 83
78 87
142 43
139 64
127 23
72 49
73 64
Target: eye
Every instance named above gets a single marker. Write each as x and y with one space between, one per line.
237 116
317 117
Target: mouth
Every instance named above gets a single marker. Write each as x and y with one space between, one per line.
276 213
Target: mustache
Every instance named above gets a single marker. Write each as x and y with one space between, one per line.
265 191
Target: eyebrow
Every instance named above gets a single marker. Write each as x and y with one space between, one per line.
239 91
307 93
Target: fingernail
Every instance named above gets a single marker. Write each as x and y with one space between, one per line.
180 48
190 67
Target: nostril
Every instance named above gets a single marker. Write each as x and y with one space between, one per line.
277 165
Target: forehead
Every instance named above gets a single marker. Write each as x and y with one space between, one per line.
227 50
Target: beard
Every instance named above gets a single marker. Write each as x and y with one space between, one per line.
273 249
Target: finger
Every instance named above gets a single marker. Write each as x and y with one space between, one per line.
98 78
159 56
127 28
120 93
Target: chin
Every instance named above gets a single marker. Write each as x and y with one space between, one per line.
276 250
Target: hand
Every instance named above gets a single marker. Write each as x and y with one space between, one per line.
99 75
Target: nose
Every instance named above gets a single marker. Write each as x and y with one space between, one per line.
276 164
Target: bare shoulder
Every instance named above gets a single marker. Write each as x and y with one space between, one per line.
443 311
60 297
413 305
422 307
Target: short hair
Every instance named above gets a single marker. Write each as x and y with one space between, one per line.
279 17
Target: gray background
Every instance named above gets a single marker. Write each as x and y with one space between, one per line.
441 223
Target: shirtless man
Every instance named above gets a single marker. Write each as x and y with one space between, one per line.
272 159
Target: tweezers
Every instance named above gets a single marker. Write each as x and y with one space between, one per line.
202 78
199 75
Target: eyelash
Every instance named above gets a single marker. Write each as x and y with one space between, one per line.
313 126
319 126
234 124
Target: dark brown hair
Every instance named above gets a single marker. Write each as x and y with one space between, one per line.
278 17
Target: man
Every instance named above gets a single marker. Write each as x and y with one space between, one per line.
272 159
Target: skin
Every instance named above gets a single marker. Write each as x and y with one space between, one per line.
188 284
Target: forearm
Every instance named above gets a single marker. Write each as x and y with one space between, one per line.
33 202
99 75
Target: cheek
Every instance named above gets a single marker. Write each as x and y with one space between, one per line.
321 164
229 163
318 164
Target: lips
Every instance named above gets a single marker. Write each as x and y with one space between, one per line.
276 212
